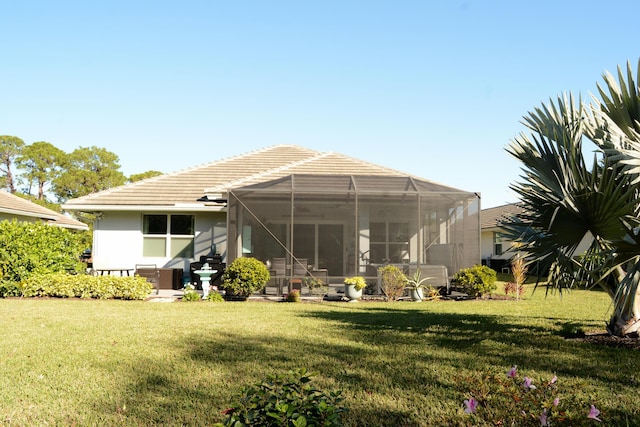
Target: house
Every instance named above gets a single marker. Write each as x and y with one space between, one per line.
14 207
497 251
325 212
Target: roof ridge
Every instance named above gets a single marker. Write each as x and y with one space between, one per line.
231 184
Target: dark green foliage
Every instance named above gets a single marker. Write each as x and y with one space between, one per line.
477 281
65 285
245 276
286 400
9 289
29 248
87 170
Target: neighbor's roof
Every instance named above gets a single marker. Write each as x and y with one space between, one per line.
11 204
182 189
492 217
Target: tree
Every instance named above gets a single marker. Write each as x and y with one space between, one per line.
87 170
571 203
144 175
10 148
42 164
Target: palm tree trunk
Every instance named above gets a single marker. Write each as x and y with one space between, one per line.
626 315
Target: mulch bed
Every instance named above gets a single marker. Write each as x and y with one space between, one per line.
631 342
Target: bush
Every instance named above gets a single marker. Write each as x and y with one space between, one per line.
316 285
293 296
513 288
190 294
36 248
83 286
286 400
393 282
65 285
477 281
9 289
245 276
214 297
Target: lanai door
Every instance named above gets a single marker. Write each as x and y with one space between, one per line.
322 245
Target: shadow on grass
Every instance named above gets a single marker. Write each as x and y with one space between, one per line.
394 365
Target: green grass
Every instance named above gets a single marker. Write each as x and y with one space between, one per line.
85 363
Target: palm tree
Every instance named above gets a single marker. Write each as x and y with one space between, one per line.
572 203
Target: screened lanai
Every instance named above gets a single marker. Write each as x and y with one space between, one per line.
341 225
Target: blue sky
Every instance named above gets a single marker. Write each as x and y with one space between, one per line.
432 88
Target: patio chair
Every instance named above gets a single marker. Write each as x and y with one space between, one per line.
151 273
279 272
299 271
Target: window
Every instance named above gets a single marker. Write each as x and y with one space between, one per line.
168 236
497 244
389 242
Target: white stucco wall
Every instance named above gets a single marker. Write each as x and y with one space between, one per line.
117 240
486 241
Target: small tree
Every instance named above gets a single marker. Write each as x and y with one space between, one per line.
393 282
245 276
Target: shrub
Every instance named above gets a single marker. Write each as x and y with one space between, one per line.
63 285
214 297
9 289
477 281
316 285
35 248
393 282
286 400
512 288
245 276
509 400
190 294
293 296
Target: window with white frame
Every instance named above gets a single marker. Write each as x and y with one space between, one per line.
389 242
168 235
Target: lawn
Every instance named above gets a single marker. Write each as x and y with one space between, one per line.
85 363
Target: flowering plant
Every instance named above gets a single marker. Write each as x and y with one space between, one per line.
531 403
357 281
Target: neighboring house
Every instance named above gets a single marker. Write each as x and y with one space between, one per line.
14 207
497 251
330 212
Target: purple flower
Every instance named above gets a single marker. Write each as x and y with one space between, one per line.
556 401
543 418
553 380
527 383
470 406
593 413
512 371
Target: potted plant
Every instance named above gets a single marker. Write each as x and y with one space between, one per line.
416 286
353 287
243 277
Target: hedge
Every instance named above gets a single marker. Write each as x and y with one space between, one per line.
65 285
32 248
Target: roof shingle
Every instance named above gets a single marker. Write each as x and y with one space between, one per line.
189 185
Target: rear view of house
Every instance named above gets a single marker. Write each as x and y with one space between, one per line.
320 211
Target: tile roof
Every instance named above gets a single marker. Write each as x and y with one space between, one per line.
491 217
187 186
13 205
